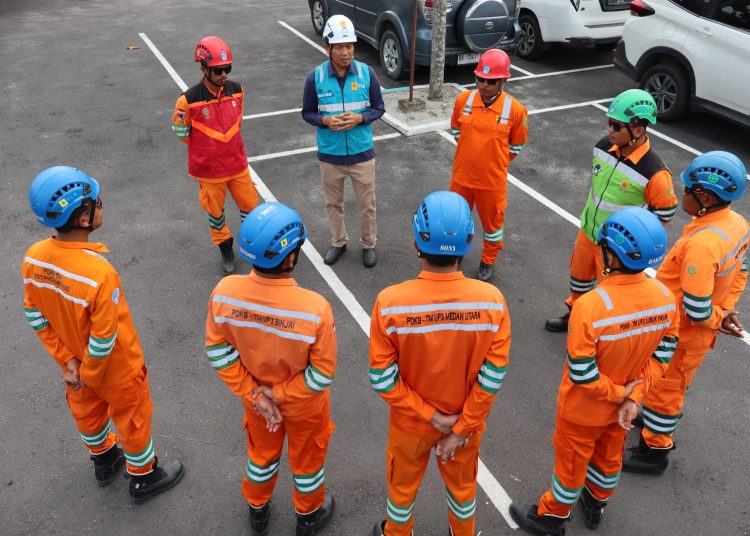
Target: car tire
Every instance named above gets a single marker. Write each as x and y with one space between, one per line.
318 16
531 45
391 55
668 84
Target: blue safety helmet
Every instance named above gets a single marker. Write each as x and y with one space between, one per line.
443 225
269 233
636 236
58 191
719 172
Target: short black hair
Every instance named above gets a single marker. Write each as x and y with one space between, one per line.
276 270
441 261
69 225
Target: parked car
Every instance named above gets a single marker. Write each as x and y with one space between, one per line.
690 54
472 27
587 22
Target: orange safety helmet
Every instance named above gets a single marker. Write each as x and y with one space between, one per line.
493 64
213 51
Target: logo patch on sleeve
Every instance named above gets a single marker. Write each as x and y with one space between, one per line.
692 269
116 296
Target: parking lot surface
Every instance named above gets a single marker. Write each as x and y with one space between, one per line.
75 94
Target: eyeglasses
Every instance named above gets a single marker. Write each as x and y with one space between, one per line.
221 69
616 125
488 81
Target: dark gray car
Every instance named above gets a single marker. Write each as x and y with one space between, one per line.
473 26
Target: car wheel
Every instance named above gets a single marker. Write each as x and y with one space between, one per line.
531 44
318 16
391 55
668 84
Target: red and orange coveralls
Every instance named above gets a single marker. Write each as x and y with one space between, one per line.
209 123
263 331
622 331
488 138
707 271
74 301
437 343
641 171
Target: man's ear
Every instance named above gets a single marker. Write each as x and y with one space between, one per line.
84 220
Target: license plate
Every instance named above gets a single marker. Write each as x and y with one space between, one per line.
464 59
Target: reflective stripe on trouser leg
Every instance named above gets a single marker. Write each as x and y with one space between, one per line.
407 458
211 196
491 212
308 446
603 472
662 407
263 453
141 462
459 475
586 265
91 415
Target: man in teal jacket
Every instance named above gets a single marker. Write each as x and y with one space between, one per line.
342 98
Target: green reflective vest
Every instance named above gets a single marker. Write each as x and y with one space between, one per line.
615 184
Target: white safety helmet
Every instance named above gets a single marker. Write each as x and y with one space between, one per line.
339 29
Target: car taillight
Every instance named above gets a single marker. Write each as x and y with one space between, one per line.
639 8
427 10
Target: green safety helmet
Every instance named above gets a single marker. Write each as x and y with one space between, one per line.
633 104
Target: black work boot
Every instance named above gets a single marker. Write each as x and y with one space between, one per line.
227 256
333 254
259 518
527 518
145 487
559 324
310 524
593 508
379 529
485 272
107 464
645 459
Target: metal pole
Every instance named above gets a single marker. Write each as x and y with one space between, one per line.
413 52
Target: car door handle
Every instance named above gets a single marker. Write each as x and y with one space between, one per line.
704 31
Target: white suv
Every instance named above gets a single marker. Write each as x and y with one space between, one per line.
587 22
690 54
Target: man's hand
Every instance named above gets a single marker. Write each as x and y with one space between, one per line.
629 389
72 378
442 422
446 447
349 120
267 391
268 409
731 324
627 412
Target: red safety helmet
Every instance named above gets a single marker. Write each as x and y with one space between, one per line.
213 51
493 64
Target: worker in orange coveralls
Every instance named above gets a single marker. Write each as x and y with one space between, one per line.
621 336
707 271
439 349
74 302
274 345
491 128
208 117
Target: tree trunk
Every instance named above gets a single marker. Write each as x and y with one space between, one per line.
437 61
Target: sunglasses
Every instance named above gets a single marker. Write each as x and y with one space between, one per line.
616 125
488 81
221 69
98 203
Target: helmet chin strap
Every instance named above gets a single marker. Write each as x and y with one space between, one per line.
607 268
296 259
702 208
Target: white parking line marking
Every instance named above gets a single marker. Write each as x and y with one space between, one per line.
566 106
304 37
494 490
562 212
311 149
269 114
670 139
558 73
522 70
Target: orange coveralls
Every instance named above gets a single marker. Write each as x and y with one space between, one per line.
73 299
437 343
586 263
263 331
624 330
218 127
707 271
488 139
